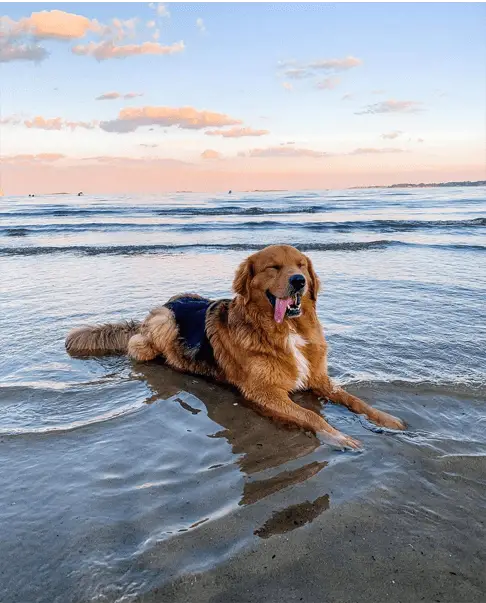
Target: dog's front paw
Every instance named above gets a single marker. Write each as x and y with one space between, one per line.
389 421
341 441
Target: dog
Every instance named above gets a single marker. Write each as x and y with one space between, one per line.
267 341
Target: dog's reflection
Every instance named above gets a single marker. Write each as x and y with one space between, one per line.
259 443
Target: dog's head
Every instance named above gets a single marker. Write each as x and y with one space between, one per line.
277 278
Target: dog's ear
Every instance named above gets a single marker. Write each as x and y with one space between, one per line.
315 284
242 281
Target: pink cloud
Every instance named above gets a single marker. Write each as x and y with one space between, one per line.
392 106
18 38
328 84
336 64
294 70
211 154
108 50
288 86
374 151
129 119
61 25
391 135
287 151
237 132
57 24
136 162
28 158
53 24
57 123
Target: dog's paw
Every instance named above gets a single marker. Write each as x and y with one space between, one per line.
341 441
389 421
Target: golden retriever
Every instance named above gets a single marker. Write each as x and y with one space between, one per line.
267 341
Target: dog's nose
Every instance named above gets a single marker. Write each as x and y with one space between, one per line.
297 282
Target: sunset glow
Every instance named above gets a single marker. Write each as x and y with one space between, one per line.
207 97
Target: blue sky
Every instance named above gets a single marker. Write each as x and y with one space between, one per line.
432 55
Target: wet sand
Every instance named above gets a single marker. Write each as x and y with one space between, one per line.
297 521
414 534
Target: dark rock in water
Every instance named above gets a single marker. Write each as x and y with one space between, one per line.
80 194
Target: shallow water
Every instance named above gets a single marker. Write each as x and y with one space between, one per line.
119 479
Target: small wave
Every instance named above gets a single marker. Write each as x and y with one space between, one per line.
377 226
397 225
242 211
465 386
148 249
16 232
142 249
47 429
46 211
226 210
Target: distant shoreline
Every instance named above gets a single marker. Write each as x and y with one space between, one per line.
425 184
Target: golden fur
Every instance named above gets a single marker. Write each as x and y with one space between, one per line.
264 359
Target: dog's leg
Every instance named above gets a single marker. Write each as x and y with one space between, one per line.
140 349
276 403
325 388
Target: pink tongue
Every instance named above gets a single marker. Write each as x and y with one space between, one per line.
281 306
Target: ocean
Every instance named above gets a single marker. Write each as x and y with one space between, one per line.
128 482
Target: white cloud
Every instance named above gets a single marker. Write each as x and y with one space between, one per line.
200 25
21 52
391 106
160 9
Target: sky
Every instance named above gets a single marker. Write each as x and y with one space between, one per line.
139 97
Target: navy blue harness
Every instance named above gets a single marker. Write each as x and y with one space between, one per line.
190 315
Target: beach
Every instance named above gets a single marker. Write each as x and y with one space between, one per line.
125 482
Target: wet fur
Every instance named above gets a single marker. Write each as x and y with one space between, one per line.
266 361
98 340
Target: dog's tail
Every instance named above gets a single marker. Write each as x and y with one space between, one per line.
100 340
